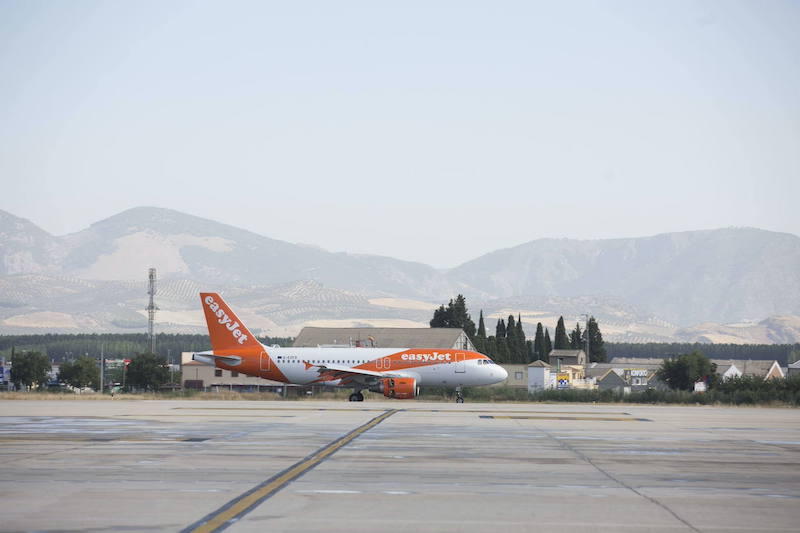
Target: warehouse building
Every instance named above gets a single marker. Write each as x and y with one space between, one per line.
199 376
761 368
726 368
441 338
559 358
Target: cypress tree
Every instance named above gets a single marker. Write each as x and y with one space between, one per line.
511 329
548 345
538 343
576 338
503 354
511 339
561 340
522 343
491 347
481 327
597 350
500 329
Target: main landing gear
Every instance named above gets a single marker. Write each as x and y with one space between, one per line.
356 397
459 397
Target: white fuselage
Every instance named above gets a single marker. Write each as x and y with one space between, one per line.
434 368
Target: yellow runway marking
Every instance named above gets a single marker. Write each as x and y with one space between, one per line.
238 507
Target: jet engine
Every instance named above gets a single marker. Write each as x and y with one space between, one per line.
399 388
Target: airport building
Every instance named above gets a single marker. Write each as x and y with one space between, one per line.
726 368
199 376
441 338
540 375
559 358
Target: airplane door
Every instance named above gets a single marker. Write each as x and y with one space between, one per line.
265 362
460 364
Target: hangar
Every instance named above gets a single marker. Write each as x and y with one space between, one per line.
444 338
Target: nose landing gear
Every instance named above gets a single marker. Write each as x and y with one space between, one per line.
459 397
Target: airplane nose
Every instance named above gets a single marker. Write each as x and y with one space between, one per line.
502 374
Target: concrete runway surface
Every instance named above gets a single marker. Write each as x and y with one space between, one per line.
140 465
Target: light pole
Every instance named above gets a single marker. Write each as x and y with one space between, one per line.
102 369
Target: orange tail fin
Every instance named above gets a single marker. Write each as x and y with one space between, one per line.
225 329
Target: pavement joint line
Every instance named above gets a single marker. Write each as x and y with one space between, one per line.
621 483
409 409
235 509
560 416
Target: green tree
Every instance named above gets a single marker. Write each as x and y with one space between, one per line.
561 342
531 351
454 316
491 348
511 329
687 369
538 343
548 345
576 338
441 317
597 349
520 342
82 372
147 371
29 368
500 329
503 354
481 327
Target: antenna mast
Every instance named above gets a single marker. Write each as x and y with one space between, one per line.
151 310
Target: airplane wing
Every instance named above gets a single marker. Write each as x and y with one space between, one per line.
348 374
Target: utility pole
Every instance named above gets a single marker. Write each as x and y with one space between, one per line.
102 369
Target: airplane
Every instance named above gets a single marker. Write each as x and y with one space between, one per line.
395 372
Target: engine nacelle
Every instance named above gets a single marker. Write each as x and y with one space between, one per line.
399 388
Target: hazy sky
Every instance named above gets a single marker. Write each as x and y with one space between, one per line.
428 131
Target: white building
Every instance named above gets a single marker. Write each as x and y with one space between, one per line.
539 377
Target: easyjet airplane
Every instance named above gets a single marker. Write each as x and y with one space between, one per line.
395 372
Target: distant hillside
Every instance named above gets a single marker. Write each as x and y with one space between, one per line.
643 289
124 246
27 249
721 275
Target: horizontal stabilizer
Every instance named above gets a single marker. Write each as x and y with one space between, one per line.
211 359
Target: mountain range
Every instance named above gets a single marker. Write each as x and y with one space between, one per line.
727 283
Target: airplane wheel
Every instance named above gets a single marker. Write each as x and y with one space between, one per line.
359 397
459 400
354 398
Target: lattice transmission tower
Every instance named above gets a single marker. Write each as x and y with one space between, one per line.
151 310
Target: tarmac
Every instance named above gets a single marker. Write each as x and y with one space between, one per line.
137 465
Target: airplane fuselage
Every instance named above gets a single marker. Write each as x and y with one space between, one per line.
450 368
